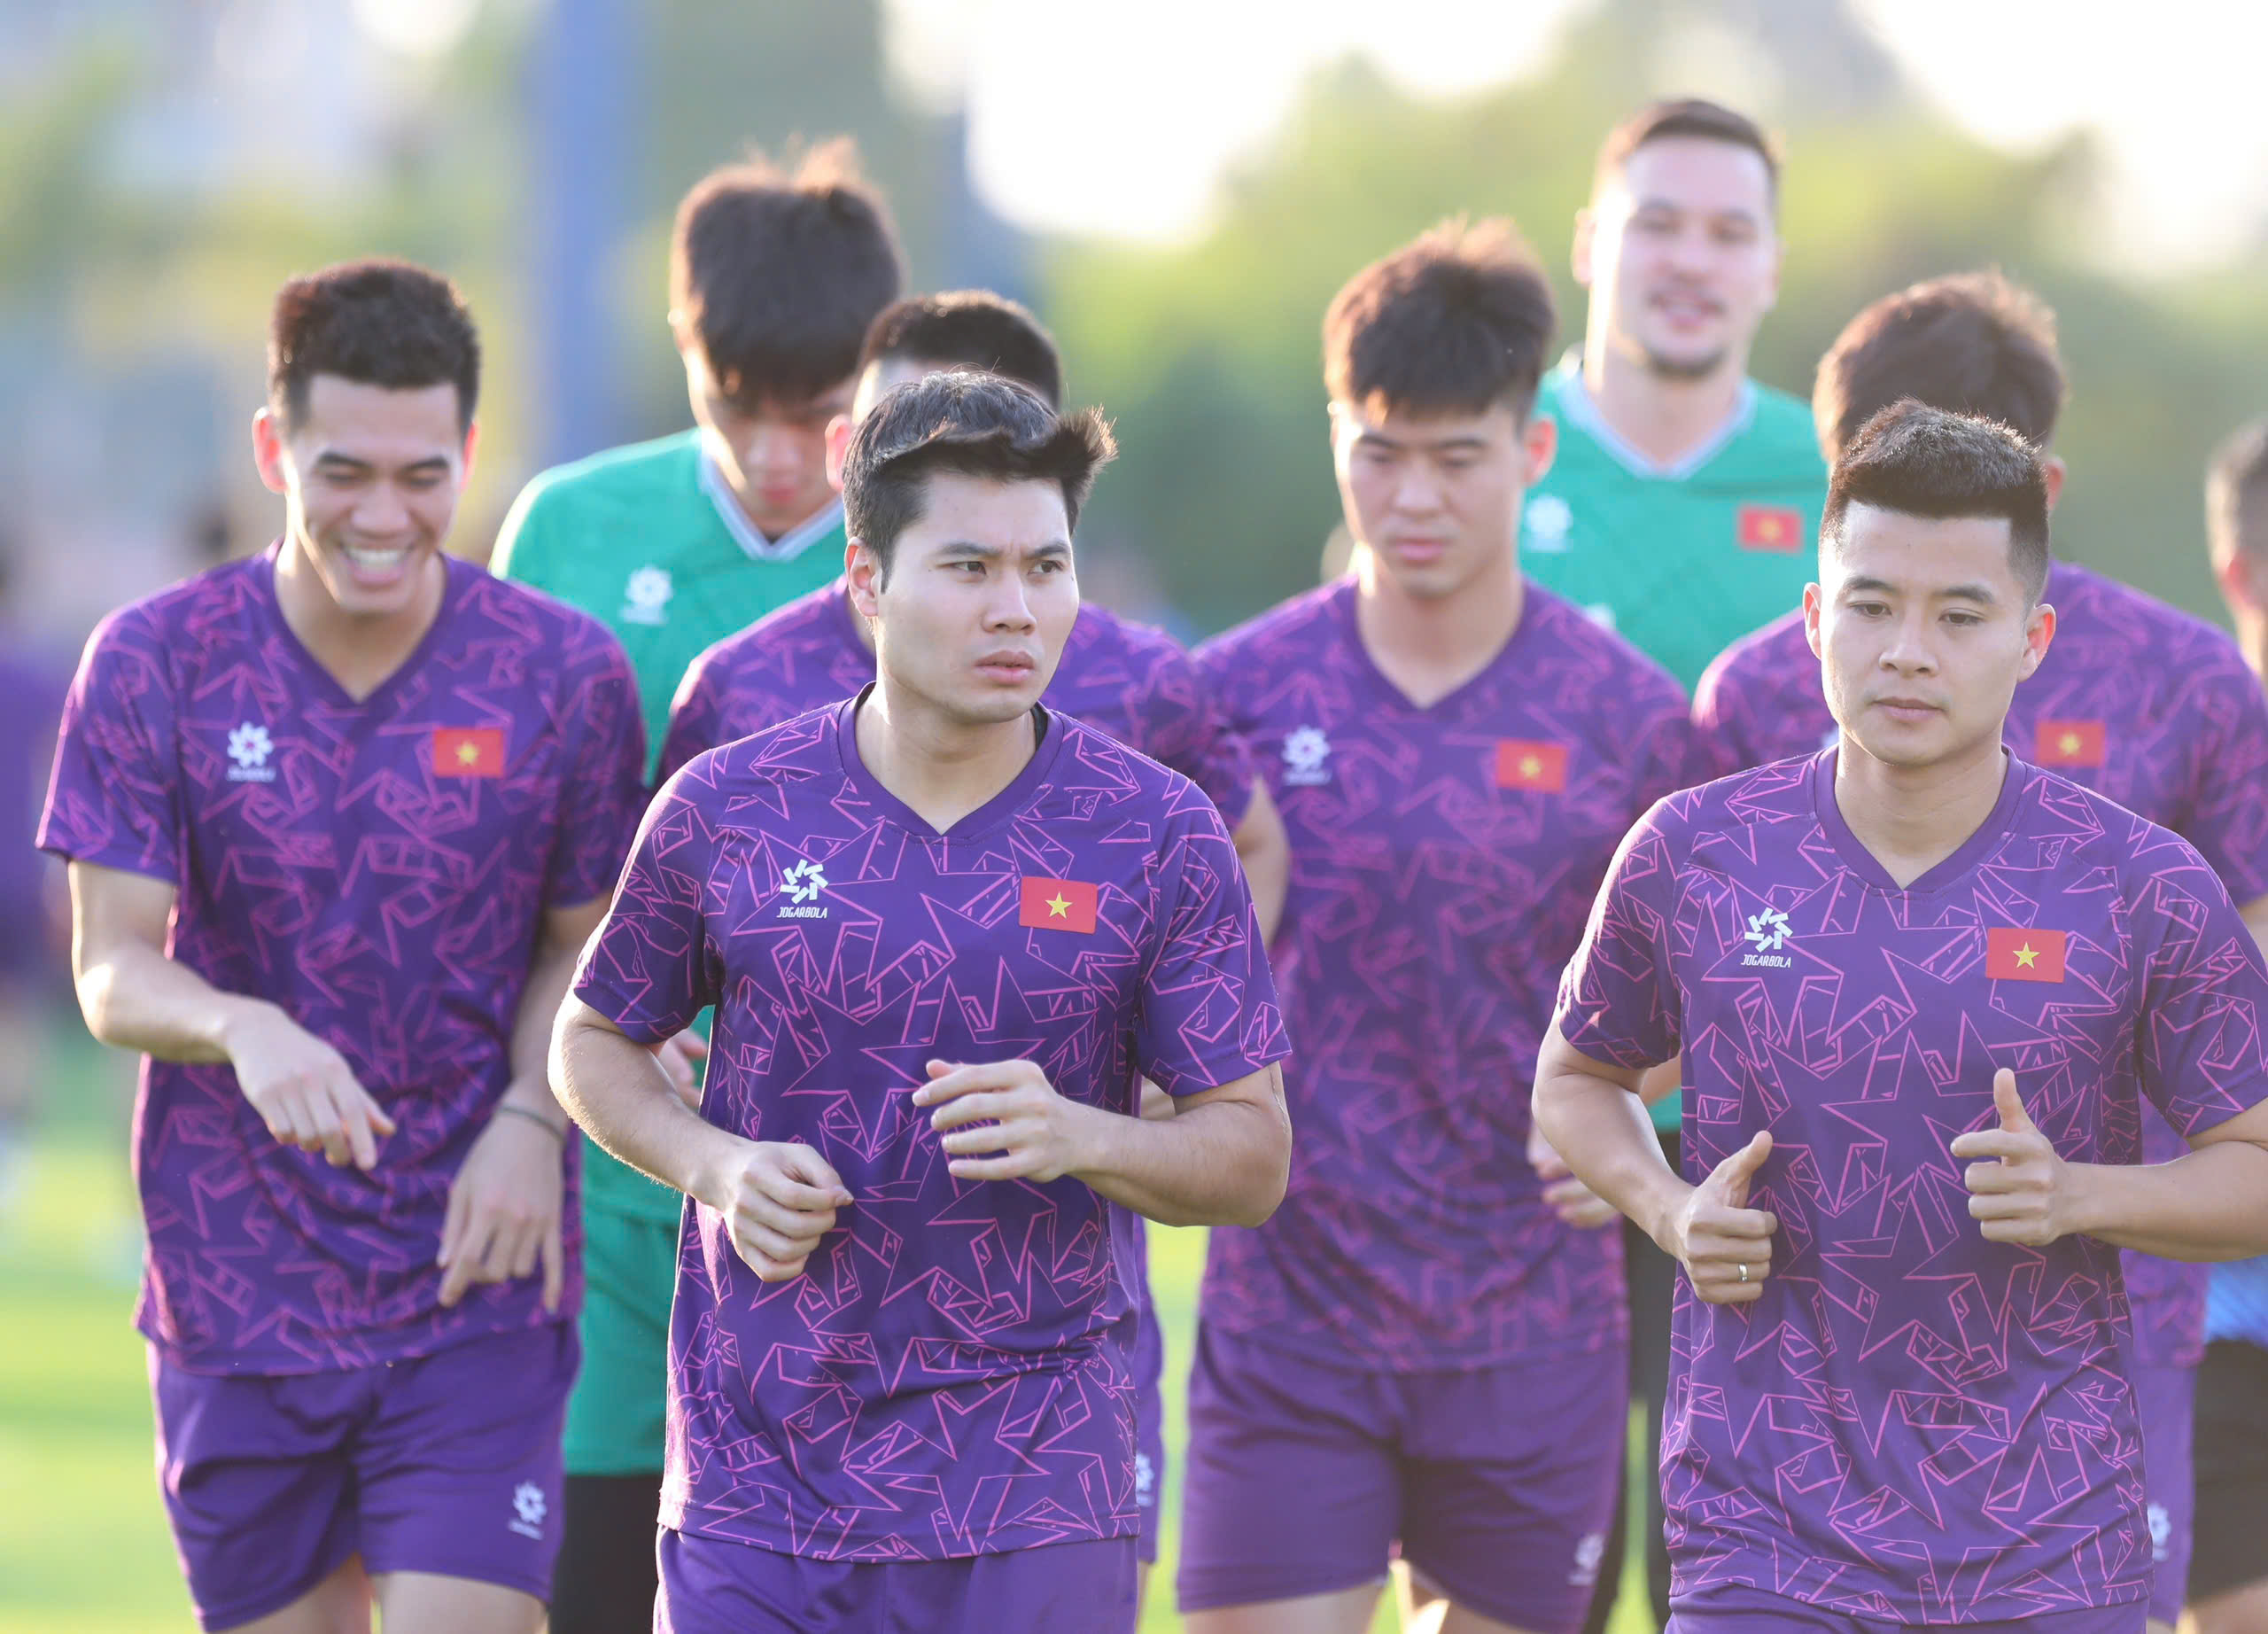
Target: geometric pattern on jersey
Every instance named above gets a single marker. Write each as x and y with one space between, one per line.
2135 700
949 1374
1912 1423
1129 680
379 870
1443 862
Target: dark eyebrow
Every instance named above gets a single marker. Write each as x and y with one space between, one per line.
334 460
1740 213
969 549
1861 584
1438 446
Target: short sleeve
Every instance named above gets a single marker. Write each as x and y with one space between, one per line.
114 797
607 786
1617 1000
2203 1028
1182 727
649 969
1209 1013
695 715
2228 813
522 552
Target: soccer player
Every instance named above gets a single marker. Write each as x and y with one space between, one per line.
1922 990
2229 1572
774 279
947 931
2136 700
1684 496
1416 1350
338 819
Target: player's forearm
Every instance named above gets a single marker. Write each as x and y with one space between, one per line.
549 978
620 1096
1224 1163
2209 1205
1600 1130
1265 851
134 997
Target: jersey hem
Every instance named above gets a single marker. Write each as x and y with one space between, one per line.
239 1365
690 1520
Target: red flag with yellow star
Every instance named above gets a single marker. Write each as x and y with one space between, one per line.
2069 743
2023 955
1769 527
1523 763
467 751
1057 904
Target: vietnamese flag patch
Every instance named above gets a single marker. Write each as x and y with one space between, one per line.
2023 955
467 751
2069 743
1522 763
1057 904
1769 527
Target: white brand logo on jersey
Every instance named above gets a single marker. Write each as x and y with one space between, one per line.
1145 1483
646 598
1547 520
529 1509
801 885
1590 1552
249 746
2161 1533
1307 757
1769 930
1600 614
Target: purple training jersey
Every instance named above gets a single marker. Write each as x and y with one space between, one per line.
380 870
1126 680
950 1375
1443 861
2135 700
1913 1424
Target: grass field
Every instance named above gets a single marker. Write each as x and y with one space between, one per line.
83 1545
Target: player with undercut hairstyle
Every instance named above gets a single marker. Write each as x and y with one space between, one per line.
1922 991
1419 1351
949 932
776 270
338 819
2136 700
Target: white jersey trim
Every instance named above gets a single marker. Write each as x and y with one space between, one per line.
789 545
1576 404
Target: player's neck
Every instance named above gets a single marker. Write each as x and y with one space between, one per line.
361 651
1430 646
941 767
1663 419
1912 817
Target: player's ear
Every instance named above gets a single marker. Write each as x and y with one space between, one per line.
1815 610
2039 634
1540 441
471 447
838 445
2051 472
267 454
862 570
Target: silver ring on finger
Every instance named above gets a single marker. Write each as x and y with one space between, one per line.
1744 1273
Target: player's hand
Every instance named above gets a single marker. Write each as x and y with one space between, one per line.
1004 1121
2017 1188
681 1058
781 1200
303 1089
1574 1203
503 1220
1726 1246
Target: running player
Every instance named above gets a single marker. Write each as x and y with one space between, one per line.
1898 1396
1685 495
948 932
2136 700
338 819
774 279
2228 1571
1416 1350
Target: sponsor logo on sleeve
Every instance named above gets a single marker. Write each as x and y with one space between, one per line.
2013 955
1057 904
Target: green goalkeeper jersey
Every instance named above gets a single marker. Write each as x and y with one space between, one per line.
1680 560
650 542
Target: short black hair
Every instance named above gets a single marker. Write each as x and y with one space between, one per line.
970 423
1694 118
2236 491
968 328
1972 343
379 323
776 274
1924 461
1455 322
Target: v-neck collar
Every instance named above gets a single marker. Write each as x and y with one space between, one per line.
1377 681
1580 409
455 576
986 817
2015 778
753 544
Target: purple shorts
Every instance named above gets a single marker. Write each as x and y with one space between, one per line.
1149 1429
1497 1483
1735 1608
2165 1399
448 1463
712 1585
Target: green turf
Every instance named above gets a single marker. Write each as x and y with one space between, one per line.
83 1545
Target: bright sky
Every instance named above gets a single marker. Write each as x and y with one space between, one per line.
1097 118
